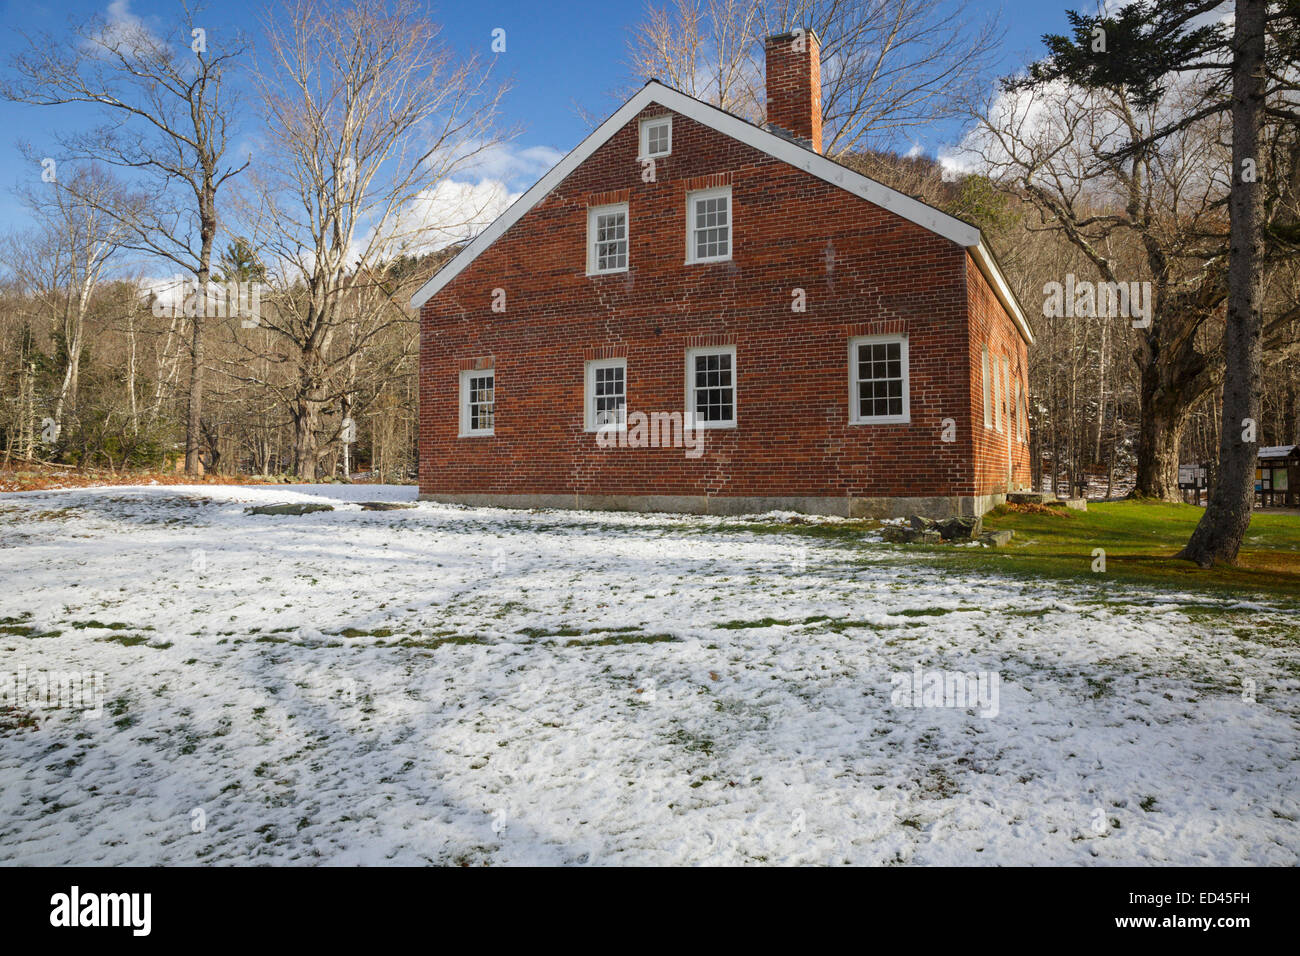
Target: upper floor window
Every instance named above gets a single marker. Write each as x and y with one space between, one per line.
711 386
656 137
606 394
607 239
878 380
708 225
477 403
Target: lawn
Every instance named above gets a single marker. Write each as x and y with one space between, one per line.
1140 539
470 685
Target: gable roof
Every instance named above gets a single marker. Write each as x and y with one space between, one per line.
902 205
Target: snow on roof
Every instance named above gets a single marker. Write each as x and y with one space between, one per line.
1278 451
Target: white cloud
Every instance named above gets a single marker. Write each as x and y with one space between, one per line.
466 202
454 211
123 28
516 167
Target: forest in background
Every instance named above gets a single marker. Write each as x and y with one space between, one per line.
97 371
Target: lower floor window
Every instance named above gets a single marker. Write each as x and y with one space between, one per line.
878 392
606 394
477 402
711 386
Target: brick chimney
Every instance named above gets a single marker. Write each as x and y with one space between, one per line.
794 86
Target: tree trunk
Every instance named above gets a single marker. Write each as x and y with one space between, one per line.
194 412
1160 438
304 438
207 233
1222 527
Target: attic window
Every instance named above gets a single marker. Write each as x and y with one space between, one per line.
656 137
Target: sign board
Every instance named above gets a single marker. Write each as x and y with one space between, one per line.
1191 476
1279 479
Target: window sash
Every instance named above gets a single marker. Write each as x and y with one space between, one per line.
878 380
606 394
997 396
607 239
478 403
987 386
708 225
1006 393
711 386
656 137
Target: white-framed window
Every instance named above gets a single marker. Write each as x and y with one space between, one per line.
711 386
477 402
997 395
878 393
987 384
656 137
1015 411
607 243
1006 395
606 394
1022 400
708 225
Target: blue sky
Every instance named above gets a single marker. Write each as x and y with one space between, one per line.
562 58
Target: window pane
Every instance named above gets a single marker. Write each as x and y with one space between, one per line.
879 373
480 399
712 233
609 399
714 387
611 241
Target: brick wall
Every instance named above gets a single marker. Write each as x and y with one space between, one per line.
997 455
863 270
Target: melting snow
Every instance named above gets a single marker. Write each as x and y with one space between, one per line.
444 684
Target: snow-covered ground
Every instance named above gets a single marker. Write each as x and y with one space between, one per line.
443 684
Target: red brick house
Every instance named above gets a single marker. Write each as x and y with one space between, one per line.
694 313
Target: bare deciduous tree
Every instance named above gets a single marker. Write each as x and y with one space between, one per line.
367 114
889 68
169 119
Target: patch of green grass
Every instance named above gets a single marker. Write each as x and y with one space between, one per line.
433 642
760 622
358 632
624 638
127 640
1140 539
540 632
692 742
13 718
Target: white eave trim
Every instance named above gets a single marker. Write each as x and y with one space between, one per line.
993 273
940 223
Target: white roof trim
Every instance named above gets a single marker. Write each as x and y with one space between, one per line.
940 223
989 266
